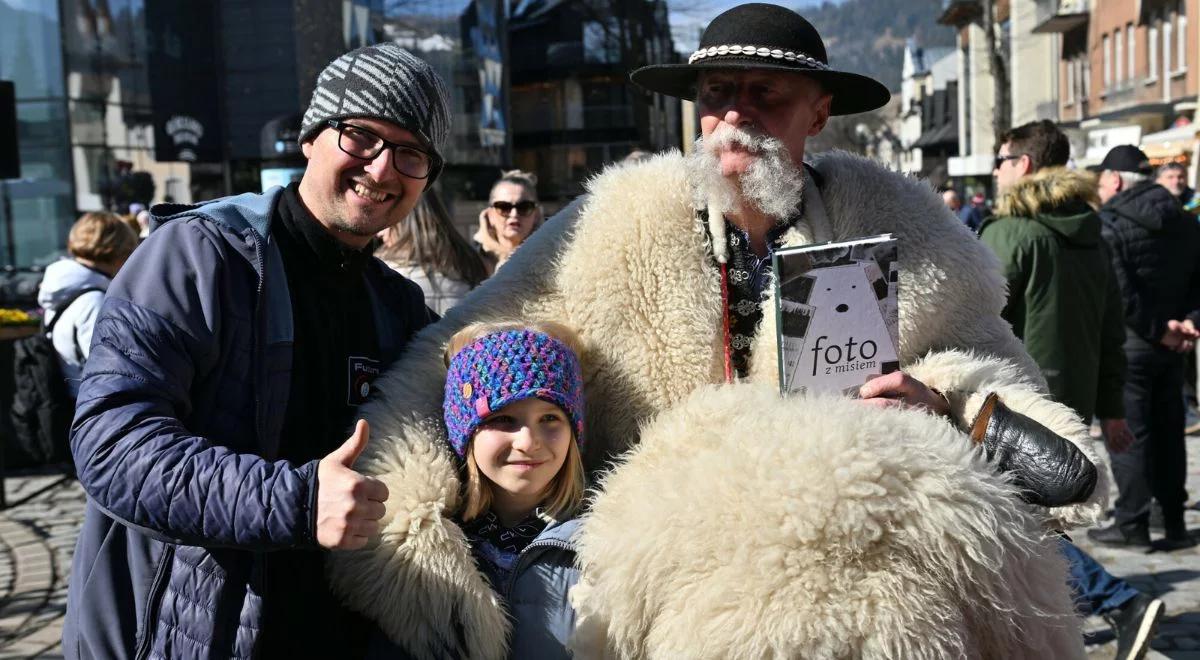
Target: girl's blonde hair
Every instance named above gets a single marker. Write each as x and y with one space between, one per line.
565 492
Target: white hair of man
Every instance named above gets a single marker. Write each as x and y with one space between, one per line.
1130 179
773 184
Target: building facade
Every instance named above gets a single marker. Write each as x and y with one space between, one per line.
1133 80
928 116
122 101
971 169
574 109
1109 72
83 119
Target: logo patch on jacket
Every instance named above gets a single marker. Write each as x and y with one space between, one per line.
362 372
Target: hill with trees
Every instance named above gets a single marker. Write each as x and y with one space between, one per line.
867 36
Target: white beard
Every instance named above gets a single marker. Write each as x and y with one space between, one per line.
773 184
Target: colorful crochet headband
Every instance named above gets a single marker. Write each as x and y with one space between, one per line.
504 367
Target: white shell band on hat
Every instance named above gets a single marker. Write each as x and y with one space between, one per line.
757 51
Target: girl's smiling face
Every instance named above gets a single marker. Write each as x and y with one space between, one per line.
520 448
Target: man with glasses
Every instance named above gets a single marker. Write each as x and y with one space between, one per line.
974 213
1064 304
226 366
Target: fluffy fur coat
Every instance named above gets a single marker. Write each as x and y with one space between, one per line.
742 525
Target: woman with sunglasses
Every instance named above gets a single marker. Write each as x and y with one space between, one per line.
511 216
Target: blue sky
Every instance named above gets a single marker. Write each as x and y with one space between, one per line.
688 17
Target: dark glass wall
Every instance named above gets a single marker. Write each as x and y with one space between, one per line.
41 200
108 92
466 41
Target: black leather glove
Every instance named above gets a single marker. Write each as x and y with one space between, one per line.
1049 470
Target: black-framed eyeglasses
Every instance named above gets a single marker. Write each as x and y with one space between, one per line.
523 207
1000 160
364 144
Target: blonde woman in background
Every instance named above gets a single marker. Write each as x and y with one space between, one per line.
99 244
427 249
513 212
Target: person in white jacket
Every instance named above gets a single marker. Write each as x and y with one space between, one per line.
427 249
99 244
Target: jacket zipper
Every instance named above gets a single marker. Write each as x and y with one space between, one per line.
525 555
152 603
259 343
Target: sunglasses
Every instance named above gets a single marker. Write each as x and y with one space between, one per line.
1000 160
523 207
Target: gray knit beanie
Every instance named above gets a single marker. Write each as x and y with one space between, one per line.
382 81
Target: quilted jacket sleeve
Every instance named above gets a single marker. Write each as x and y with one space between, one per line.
155 336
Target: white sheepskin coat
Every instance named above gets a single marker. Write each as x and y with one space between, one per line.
739 524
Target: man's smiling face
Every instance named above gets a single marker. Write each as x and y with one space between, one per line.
352 198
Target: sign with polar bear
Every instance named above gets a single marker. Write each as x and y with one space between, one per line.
837 314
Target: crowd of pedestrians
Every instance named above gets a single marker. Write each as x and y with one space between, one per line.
1103 273
320 422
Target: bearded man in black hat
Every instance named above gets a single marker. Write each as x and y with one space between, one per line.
731 522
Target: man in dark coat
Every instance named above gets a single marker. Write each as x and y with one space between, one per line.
1155 249
974 213
1173 177
1064 304
226 365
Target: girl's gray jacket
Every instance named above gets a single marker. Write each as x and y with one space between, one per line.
535 594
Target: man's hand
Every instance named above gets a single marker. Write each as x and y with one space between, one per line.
898 389
1117 436
1180 336
349 505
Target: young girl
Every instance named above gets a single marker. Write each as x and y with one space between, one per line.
514 411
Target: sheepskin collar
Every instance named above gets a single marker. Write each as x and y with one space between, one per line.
1050 191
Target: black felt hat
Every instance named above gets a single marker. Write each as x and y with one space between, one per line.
762 36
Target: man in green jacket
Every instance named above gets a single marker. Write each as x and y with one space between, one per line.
1065 304
1063 298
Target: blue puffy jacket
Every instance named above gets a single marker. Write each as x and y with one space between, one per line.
176 428
535 595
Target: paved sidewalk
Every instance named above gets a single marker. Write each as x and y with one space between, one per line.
37 538
1172 576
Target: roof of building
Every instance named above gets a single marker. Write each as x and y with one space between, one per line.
942 135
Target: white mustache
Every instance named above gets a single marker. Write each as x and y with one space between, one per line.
726 135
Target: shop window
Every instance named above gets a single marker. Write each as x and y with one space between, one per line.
1130 48
1181 37
601 42
1107 46
1152 54
1167 46
1071 82
1118 57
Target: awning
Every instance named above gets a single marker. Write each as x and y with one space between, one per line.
1101 139
1170 144
1059 23
944 134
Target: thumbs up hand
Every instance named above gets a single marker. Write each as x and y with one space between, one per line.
349 505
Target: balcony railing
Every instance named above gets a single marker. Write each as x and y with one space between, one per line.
1060 16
